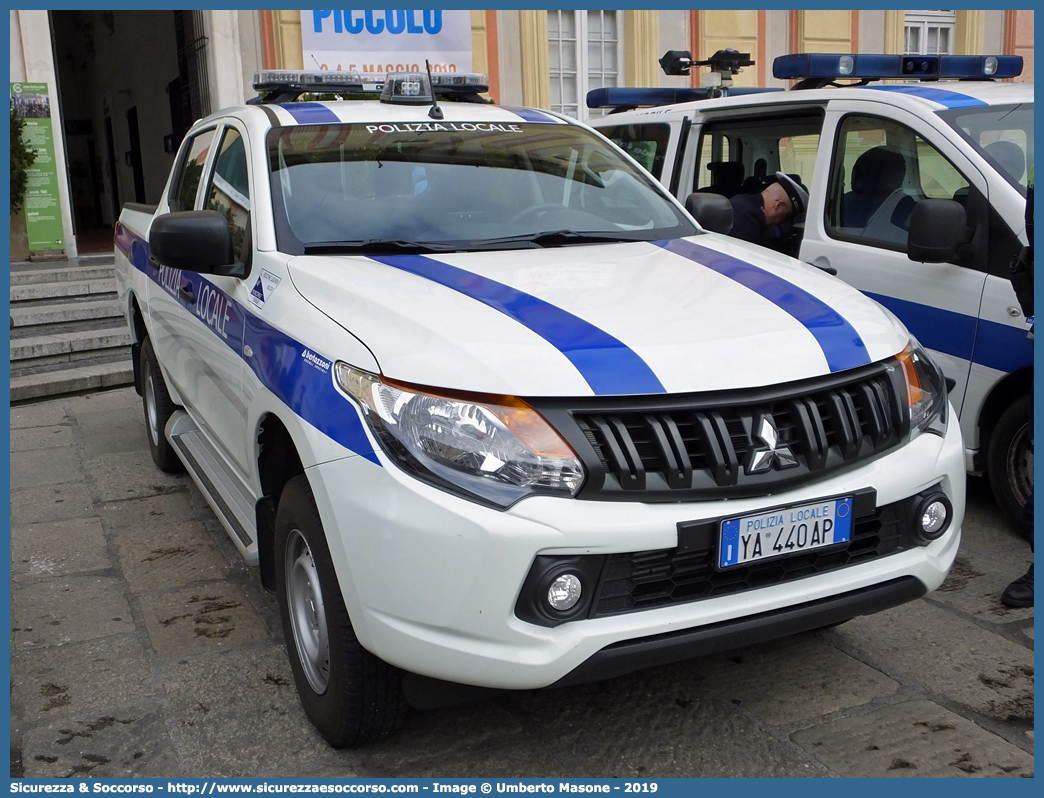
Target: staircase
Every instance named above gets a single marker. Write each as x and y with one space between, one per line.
68 334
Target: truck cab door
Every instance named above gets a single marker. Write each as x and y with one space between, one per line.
872 170
198 321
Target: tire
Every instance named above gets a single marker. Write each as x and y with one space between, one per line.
1009 463
158 407
348 694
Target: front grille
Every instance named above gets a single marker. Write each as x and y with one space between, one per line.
647 579
704 446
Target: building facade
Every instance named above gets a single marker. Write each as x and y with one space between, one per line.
126 85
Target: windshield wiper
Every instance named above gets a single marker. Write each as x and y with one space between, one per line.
378 246
552 238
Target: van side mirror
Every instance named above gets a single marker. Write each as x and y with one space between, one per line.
712 211
937 227
193 241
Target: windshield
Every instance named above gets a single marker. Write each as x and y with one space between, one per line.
459 186
1003 135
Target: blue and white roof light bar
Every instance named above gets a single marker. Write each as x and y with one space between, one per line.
819 69
869 66
285 85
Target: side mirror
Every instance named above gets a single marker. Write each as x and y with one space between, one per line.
712 211
193 241
937 227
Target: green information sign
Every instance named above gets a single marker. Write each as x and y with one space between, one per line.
43 206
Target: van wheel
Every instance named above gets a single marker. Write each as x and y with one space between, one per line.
348 694
158 409
1010 461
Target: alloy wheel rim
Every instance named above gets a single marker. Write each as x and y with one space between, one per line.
150 406
304 598
1020 464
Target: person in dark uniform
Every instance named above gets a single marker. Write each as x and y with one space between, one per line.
755 216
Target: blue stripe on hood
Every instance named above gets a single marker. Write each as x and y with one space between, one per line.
841 344
608 365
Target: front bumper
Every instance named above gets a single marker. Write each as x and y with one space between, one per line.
431 580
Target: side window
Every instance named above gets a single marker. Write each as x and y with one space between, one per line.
880 170
647 144
183 195
742 156
797 155
230 190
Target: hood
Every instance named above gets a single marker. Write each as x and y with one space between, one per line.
695 314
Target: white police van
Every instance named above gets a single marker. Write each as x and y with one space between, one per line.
869 152
489 411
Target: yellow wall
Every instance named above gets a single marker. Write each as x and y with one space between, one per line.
289 52
735 29
824 32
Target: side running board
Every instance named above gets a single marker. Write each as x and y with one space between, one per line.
225 493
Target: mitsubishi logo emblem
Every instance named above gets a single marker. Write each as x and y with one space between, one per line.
762 458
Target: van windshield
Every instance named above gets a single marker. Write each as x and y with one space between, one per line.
1003 135
454 186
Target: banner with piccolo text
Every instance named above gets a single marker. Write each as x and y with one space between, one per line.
379 42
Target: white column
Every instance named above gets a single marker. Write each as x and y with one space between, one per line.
38 60
224 60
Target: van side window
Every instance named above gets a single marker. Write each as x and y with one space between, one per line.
742 156
183 194
229 191
880 170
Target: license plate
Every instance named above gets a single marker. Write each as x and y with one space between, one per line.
784 531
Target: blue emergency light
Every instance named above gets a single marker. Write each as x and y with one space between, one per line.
624 97
868 66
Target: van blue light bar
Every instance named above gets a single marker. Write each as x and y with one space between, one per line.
869 66
622 97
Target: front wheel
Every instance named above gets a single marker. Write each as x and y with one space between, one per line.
1010 461
348 694
159 407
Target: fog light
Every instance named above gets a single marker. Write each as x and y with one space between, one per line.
934 517
564 592
989 66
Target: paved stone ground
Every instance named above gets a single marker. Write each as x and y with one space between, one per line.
142 646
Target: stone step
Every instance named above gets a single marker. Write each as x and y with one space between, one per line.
70 274
65 380
65 312
64 347
66 288
61 328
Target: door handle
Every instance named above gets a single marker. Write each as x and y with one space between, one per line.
823 264
185 292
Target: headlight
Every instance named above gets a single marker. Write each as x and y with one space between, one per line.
925 391
496 448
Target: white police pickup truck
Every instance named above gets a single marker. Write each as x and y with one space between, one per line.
868 154
488 410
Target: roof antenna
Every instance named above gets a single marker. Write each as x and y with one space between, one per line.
434 112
